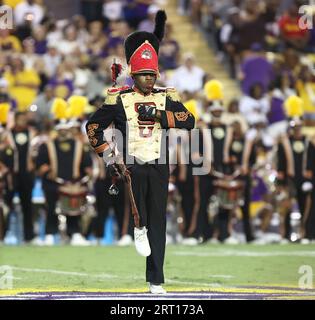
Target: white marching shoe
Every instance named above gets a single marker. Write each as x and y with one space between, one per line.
49 240
125 240
78 240
142 242
156 289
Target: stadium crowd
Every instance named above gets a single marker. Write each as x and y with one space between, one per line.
55 64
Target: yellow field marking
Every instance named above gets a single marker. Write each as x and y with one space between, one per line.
249 290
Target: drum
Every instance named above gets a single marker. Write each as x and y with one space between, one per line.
72 199
229 193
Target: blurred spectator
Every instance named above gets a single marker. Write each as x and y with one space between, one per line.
81 76
311 42
169 50
252 25
9 42
70 43
112 10
255 104
29 56
97 44
149 23
23 83
39 67
229 37
118 31
91 9
195 11
80 24
305 87
255 68
99 79
39 35
62 9
183 6
52 59
233 115
290 30
270 13
44 102
281 88
135 11
5 96
62 82
28 10
188 77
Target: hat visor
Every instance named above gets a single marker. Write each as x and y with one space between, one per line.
62 126
216 108
145 71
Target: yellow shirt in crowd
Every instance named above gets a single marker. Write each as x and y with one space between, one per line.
23 87
306 92
11 41
12 3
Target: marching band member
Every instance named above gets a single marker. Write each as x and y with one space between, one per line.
6 167
291 161
140 113
20 139
62 157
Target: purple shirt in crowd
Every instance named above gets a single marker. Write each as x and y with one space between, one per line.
41 47
256 69
276 113
259 189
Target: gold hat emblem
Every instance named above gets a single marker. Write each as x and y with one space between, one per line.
146 54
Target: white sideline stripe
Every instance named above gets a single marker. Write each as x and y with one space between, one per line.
67 273
110 276
239 253
170 281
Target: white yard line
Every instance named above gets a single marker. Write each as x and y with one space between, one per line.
111 276
241 253
66 273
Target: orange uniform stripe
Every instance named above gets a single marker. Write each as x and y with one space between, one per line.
170 119
102 148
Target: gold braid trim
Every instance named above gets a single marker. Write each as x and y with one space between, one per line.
172 94
111 96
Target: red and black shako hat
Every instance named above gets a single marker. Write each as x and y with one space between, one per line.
142 48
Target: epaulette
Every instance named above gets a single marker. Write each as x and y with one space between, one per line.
113 93
159 89
172 94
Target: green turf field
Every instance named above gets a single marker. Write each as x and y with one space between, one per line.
116 269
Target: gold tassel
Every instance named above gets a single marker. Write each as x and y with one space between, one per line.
4 111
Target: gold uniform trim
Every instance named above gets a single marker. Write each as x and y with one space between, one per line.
91 133
172 94
111 97
182 116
